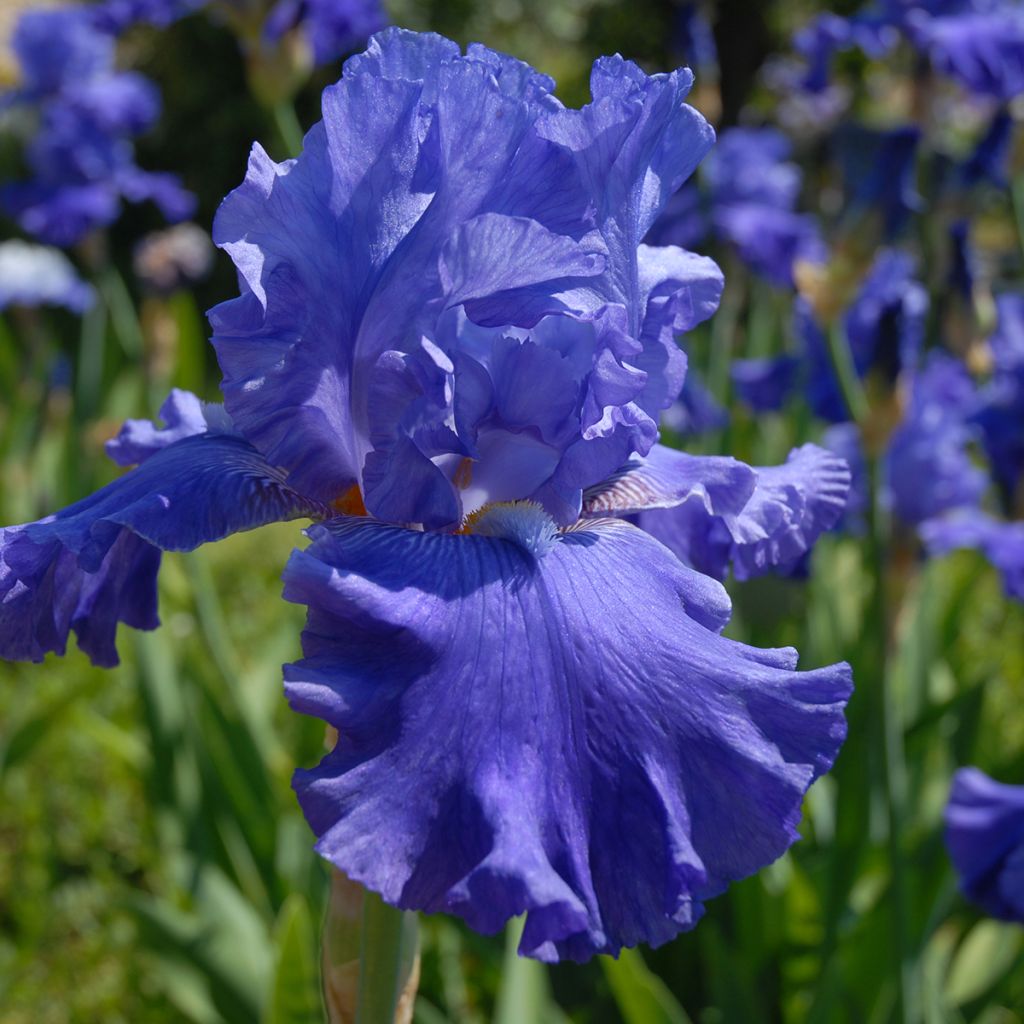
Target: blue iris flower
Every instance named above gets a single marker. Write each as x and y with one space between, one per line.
37 275
116 16
929 469
884 328
81 156
977 43
450 351
752 189
985 839
331 27
1001 542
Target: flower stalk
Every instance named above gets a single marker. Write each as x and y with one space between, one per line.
370 957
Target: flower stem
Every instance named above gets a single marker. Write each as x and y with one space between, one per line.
884 713
846 374
370 957
288 127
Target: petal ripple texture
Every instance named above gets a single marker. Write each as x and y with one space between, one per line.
785 512
566 735
389 333
985 838
94 564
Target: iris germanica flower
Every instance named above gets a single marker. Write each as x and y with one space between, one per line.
928 466
331 27
1001 542
115 16
884 327
752 191
977 43
80 156
37 275
985 838
450 351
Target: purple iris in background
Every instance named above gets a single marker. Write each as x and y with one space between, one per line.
928 466
753 189
977 43
80 154
450 351
884 328
985 838
1001 542
331 27
115 16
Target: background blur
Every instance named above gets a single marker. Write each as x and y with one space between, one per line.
154 865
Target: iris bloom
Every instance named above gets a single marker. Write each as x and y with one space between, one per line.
884 327
985 838
80 156
450 351
928 466
977 43
37 275
752 191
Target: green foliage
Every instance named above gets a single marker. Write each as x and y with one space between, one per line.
154 866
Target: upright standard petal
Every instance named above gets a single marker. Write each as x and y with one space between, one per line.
383 284
985 838
94 564
546 722
788 509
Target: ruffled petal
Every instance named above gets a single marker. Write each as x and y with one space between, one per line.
544 722
95 563
985 838
666 478
184 414
790 507
465 162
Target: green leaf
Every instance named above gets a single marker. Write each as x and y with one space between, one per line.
294 996
525 993
984 957
641 996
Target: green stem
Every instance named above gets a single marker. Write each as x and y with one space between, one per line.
1017 200
92 342
287 123
886 722
885 717
369 957
387 954
846 373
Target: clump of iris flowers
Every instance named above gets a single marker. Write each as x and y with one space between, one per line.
985 838
83 115
450 351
